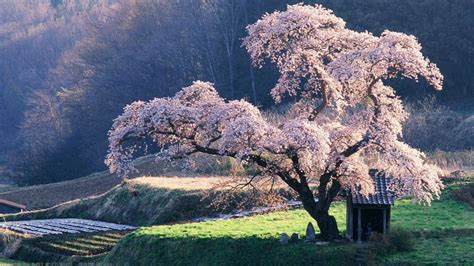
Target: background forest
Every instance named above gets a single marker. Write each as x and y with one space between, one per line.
67 68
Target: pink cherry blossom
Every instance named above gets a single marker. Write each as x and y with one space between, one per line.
345 119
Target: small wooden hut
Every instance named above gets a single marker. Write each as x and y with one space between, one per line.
368 214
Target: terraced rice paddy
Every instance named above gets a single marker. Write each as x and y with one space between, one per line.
38 228
79 244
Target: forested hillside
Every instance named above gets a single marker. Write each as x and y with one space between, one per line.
67 68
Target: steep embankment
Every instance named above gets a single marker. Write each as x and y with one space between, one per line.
141 201
135 202
49 195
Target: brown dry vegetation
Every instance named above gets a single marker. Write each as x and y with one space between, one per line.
128 203
156 200
45 196
182 183
453 161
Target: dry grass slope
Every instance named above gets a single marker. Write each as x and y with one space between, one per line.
45 196
181 183
129 203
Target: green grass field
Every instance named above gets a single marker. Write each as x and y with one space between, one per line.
445 235
4 261
250 240
449 249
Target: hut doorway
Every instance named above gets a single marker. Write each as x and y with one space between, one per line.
371 220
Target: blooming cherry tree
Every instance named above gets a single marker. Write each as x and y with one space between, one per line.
344 120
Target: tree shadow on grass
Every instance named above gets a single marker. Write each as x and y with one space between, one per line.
152 250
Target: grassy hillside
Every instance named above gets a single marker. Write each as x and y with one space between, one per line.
444 231
67 248
245 241
129 203
45 196
444 235
442 248
141 201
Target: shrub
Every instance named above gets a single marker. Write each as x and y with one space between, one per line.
432 126
464 136
396 240
400 240
9 243
465 194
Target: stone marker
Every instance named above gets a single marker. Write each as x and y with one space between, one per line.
322 243
284 238
310 233
294 237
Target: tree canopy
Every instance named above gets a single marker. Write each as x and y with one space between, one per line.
62 58
344 121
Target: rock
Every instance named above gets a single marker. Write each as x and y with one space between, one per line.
310 233
284 238
294 237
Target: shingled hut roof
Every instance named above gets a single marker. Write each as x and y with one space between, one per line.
381 196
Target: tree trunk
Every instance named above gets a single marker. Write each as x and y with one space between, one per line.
320 212
328 226
231 73
252 77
